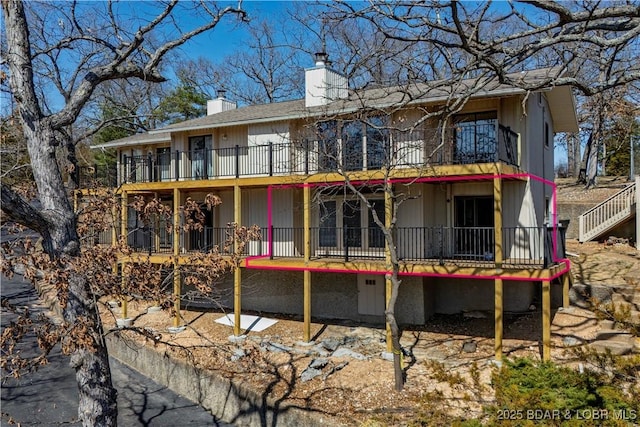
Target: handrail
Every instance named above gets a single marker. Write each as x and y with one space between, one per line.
607 213
480 143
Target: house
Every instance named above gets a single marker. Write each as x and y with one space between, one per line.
477 230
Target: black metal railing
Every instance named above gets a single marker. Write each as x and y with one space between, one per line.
463 246
149 239
521 246
480 143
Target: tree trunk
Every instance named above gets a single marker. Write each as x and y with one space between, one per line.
55 220
395 332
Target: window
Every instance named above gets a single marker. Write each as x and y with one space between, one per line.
474 222
341 224
343 144
328 224
377 142
327 146
475 138
163 164
200 156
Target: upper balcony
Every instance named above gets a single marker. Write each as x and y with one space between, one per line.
466 143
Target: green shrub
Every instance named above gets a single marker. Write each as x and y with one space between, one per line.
536 393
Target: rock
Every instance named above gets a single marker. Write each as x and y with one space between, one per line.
330 344
319 350
469 347
309 374
614 347
345 352
582 295
319 363
335 369
387 355
571 341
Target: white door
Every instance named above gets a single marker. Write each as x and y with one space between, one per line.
371 298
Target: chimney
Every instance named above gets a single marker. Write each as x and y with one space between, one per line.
220 104
322 84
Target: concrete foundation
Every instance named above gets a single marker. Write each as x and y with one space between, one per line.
232 403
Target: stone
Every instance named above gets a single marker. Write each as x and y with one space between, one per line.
320 350
571 341
319 363
330 344
309 374
469 347
387 355
345 352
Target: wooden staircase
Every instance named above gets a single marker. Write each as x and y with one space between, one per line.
608 214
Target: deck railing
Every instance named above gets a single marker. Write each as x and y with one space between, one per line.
416 148
521 246
607 214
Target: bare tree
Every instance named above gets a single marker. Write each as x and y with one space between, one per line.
42 40
594 44
457 40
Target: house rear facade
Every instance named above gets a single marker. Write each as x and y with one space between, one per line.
476 229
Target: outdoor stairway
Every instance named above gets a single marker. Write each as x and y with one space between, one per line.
608 214
619 341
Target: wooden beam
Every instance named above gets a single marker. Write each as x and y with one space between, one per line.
306 328
176 294
498 317
566 284
124 229
546 320
176 222
237 275
306 192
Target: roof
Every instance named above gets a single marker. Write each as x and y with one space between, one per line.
137 139
560 98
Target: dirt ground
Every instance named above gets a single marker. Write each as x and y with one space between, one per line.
358 392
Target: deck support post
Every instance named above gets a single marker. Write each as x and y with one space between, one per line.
498 316
176 252
546 320
306 191
237 275
123 229
566 283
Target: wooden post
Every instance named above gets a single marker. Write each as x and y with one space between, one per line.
388 213
176 252
176 294
497 221
566 283
124 229
307 255
237 275
546 320
498 306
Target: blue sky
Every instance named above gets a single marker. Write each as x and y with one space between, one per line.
229 36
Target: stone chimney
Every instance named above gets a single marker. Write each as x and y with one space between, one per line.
220 104
322 84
